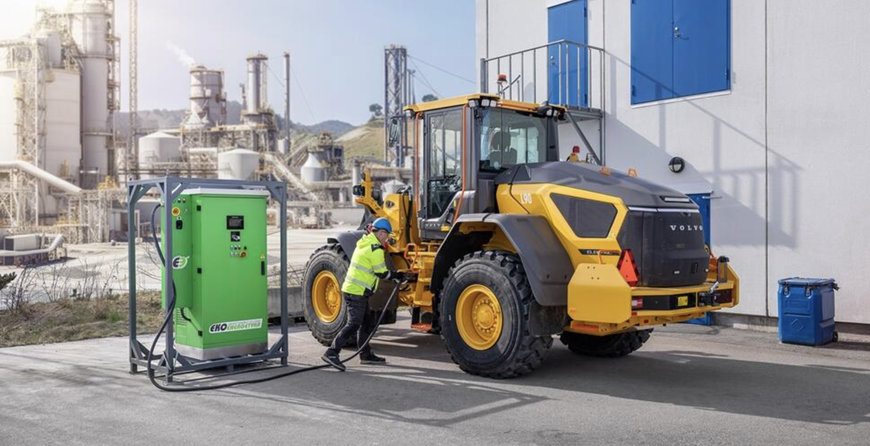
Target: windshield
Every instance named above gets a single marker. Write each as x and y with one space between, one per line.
509 137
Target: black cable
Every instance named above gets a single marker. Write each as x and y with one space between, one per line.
280 375
170 308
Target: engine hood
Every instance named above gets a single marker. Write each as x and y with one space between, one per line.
633 191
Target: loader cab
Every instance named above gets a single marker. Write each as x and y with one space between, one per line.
463 144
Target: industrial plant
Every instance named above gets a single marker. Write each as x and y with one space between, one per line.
64 160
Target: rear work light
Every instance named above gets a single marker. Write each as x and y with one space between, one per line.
722 297
628 268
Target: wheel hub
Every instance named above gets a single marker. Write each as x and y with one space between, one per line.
326 296
478 317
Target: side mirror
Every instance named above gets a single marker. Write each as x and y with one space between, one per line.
394 131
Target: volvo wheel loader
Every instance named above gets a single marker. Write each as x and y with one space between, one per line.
512 246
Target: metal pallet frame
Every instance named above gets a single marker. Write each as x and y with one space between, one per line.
170 361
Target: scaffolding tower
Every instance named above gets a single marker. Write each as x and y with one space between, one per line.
397 94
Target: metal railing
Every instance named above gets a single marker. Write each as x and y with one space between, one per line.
563 72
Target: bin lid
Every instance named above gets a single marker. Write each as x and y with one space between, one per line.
806 282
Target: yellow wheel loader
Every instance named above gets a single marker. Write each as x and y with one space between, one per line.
512 246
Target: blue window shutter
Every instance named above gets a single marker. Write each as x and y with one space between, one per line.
652 50
567 21
701 46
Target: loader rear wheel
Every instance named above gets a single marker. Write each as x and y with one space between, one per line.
610 346
484 314
321 291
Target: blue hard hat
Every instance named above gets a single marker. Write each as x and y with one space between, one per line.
382 223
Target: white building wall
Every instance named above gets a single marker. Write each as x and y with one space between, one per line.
782 152
819 159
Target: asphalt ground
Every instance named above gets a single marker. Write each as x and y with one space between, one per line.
687 385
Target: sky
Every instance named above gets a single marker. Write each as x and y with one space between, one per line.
336 48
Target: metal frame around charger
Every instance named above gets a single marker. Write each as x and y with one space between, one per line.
170 362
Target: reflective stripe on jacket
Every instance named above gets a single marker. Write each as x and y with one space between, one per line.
368 260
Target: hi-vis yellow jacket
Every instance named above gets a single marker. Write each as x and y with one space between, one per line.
366 265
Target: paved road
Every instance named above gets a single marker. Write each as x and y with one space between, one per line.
688 385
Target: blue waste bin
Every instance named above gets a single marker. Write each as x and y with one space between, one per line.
806 311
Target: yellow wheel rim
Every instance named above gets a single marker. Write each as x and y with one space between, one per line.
326 296
478 317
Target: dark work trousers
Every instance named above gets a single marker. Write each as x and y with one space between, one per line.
360 322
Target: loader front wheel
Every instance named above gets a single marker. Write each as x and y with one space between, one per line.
321 287
484 314
610 346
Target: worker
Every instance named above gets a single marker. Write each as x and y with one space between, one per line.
367 266
574 157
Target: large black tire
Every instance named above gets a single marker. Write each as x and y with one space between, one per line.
610 346
329 260
516 351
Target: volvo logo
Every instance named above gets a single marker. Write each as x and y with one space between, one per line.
687 228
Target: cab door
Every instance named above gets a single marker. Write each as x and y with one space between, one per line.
441 176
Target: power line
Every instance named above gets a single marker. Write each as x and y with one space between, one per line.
425 81
298 84
443 70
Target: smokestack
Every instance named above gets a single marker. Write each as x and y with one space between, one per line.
287 97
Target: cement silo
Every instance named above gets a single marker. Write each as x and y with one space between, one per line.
257 95
157 149
8 116
237 164
313 170
208 102
92 32
63 150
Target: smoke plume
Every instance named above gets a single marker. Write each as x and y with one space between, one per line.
182 55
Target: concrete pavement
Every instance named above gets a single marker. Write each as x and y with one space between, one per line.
688 385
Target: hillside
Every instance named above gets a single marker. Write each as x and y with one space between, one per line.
364 141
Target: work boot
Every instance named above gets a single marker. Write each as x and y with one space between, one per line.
371 358
332 359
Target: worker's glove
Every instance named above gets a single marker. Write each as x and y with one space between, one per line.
401 277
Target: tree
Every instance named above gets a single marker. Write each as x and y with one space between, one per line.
377 110
430 98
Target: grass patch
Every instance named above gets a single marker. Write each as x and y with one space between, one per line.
77 319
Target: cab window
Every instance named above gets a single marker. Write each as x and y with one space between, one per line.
508 138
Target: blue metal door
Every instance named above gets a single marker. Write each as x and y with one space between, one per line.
701 46
652 50
568 22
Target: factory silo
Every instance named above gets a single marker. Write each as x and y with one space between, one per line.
92 33
257 95
313 170
63 95
8 115
156 150
208 102
237 164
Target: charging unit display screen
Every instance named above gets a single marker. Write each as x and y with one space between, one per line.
235 222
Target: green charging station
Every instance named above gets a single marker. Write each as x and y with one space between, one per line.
219 270
214 274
